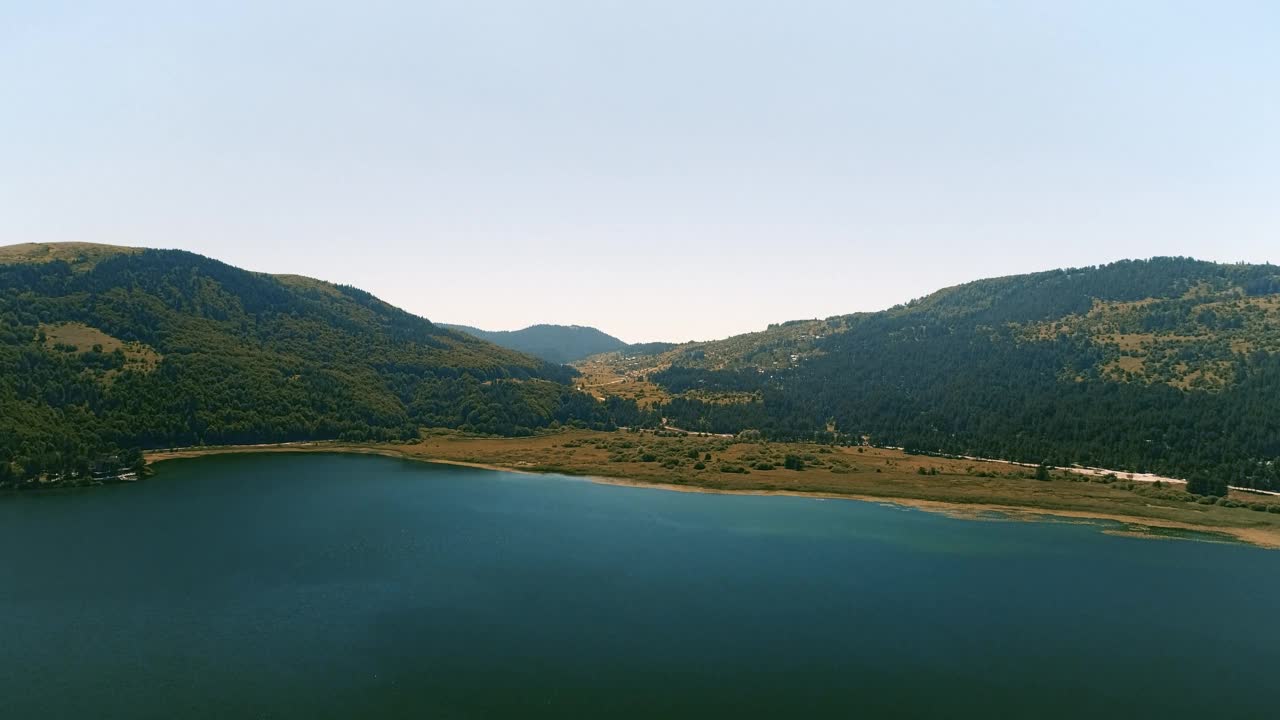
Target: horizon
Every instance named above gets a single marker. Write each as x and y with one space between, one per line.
851 312
501 166
605 330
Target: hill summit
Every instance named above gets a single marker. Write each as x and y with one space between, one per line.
563 344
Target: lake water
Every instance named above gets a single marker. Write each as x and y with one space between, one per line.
326 586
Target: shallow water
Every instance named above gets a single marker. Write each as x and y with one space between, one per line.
304 586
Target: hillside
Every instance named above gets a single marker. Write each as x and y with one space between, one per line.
104 350
561 344
1168 366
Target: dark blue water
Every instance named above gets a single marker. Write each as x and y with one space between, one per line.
322 586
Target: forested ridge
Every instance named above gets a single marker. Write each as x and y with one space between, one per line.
1167 366
553 343
103 353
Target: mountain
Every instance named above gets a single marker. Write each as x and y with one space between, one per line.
1169 365
106 349
562 344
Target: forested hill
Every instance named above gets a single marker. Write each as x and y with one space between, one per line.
562 344
1169 365
106 349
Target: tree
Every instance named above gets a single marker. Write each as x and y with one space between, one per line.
1204 484
1042 472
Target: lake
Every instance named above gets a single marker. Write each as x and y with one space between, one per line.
330 586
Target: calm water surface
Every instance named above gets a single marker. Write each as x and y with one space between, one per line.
324 586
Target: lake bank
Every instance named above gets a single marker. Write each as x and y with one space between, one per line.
946 486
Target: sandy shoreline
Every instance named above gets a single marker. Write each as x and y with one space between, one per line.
975 511
969 511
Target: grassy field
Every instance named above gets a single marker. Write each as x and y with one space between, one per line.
81 256
959 487
80 338
613 374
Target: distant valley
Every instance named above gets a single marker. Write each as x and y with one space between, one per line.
1169 366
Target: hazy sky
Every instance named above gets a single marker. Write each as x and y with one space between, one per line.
662 170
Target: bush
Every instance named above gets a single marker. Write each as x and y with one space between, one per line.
736 469
793 462
699 465
762 466
1273 509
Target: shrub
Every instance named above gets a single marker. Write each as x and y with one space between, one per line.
793 462
762 466
699 465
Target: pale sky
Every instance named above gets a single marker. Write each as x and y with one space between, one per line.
662 170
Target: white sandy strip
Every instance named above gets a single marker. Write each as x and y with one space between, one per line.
1101 472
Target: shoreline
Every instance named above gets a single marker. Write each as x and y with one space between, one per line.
976 511
1135 525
